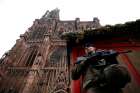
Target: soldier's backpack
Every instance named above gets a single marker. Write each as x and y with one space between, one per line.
116 76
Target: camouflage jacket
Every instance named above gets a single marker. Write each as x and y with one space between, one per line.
91 69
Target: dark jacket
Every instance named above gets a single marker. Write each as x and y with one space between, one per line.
91 66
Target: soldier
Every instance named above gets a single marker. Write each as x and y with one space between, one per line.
98 69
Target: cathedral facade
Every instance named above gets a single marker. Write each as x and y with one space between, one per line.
38 63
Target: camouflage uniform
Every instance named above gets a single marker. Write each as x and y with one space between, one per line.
93 71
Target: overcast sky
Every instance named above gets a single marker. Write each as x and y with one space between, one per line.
16 16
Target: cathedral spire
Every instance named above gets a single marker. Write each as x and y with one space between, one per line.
54 14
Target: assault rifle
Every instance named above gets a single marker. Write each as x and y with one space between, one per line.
98 55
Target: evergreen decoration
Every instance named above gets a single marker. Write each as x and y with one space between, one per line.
128 29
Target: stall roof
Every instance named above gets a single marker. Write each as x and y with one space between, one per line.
128 30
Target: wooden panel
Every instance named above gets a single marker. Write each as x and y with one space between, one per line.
76 84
